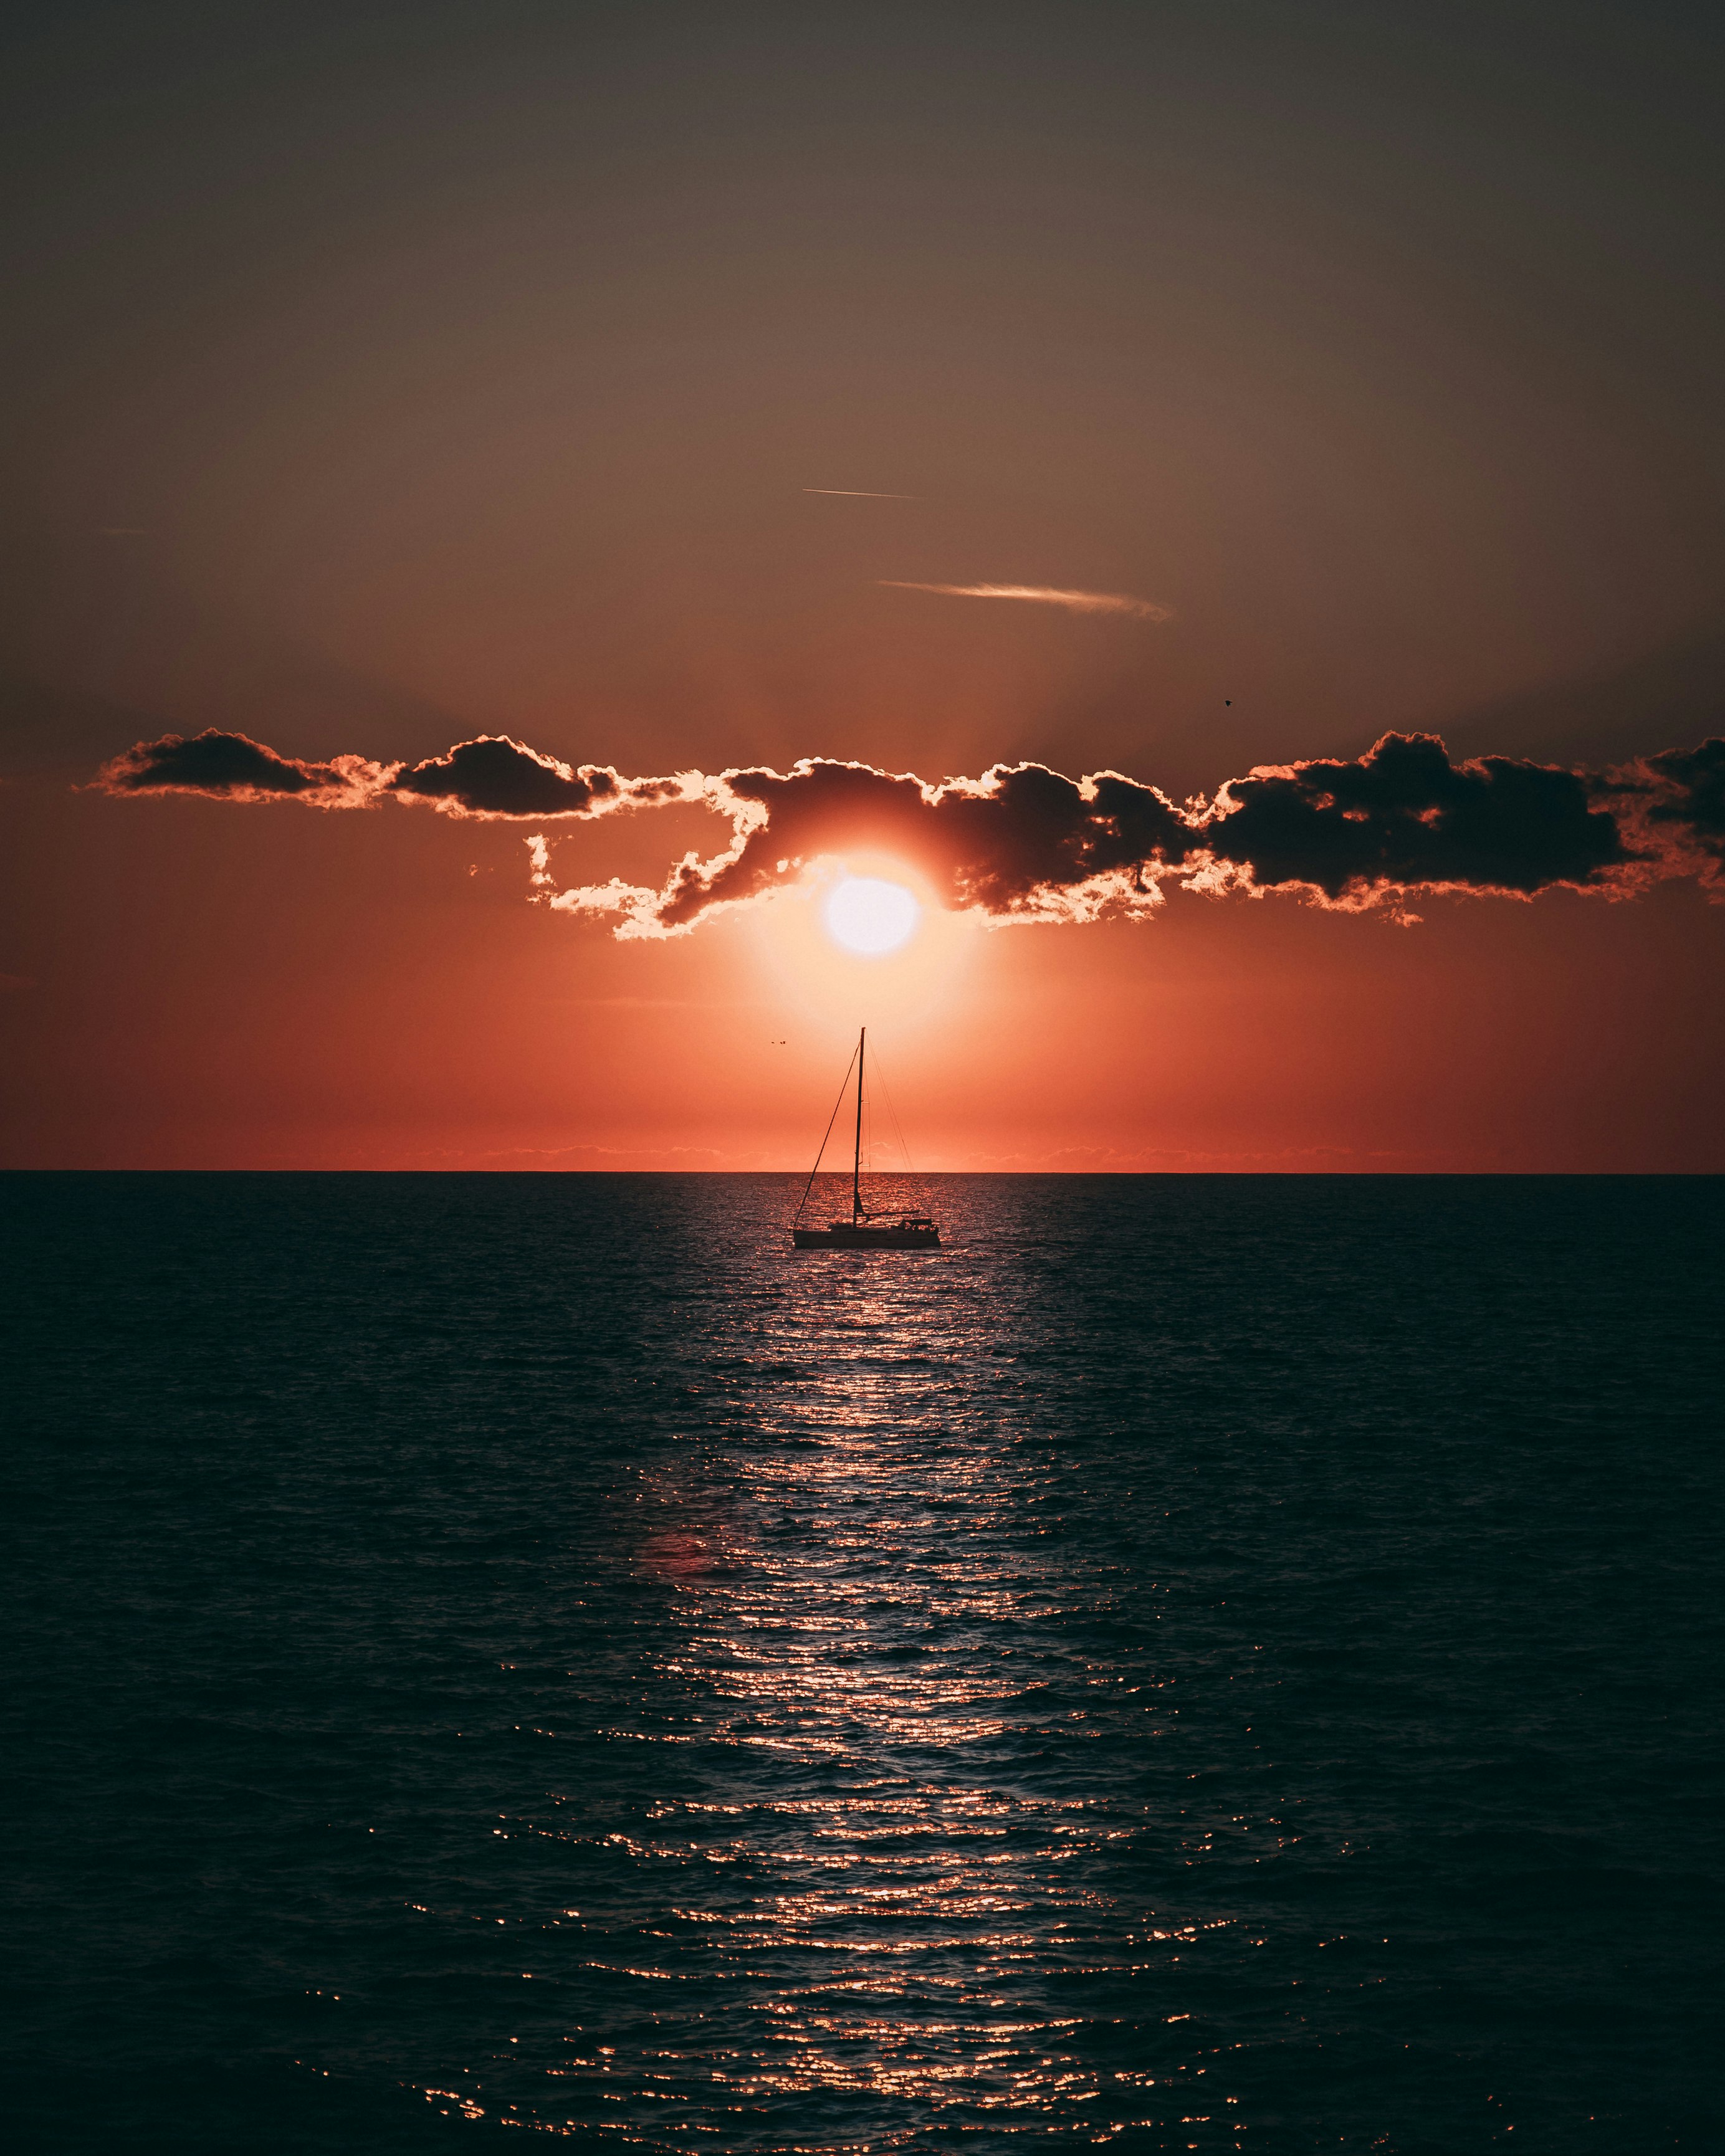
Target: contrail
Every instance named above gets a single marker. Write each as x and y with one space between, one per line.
1044 595
860 494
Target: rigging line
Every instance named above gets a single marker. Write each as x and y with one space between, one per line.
872 1131
821 1155
892 1112
872 1139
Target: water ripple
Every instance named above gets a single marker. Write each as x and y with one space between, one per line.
1189 1666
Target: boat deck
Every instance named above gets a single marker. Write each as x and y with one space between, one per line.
907 1234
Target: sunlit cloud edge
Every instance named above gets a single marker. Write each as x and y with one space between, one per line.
1024 844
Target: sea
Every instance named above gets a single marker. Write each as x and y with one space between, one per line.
1197 1663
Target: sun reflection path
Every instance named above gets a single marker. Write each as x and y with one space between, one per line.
896 1774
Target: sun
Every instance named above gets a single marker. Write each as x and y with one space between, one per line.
871 916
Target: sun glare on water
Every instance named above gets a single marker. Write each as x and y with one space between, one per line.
871 916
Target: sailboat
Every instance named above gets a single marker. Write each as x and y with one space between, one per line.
864 1230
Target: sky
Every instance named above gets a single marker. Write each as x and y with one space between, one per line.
830 437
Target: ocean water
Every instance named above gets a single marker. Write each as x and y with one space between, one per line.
1199 1664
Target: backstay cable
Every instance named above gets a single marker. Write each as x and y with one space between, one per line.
822 1154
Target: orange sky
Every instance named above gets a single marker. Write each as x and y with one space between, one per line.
374 990
387 383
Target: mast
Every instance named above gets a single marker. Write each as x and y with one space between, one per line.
856 1205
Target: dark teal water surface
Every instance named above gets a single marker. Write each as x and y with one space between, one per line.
1199 1664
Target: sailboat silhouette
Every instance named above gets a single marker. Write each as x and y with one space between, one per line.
864 1230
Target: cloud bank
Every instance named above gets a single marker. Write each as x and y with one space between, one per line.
1024 844
490 776
234 767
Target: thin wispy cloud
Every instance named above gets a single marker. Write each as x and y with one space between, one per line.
1044 595
860 494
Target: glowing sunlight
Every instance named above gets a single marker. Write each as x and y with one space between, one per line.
871 916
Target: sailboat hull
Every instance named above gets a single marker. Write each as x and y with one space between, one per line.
843 1236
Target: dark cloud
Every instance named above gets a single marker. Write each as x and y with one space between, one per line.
1404 818
495 776
492 775
1023 843
1006 842
234 767
1689 802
